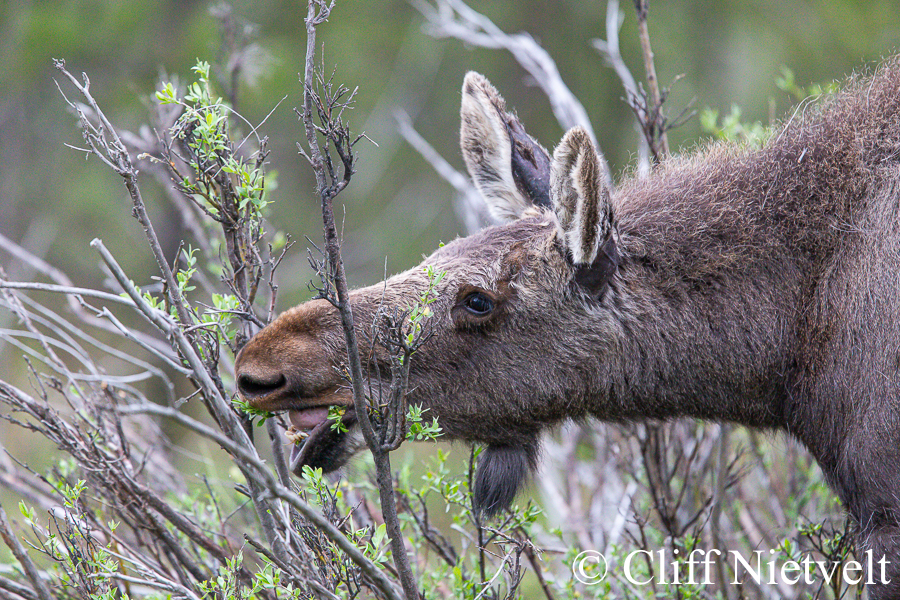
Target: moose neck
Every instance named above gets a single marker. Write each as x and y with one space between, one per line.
707 297
720 359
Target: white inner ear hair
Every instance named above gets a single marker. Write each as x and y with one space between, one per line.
488 154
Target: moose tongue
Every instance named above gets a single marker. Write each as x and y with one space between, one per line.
308 418
322 439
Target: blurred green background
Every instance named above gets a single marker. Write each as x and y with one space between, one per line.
54 202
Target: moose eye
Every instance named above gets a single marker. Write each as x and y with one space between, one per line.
478 303
478 309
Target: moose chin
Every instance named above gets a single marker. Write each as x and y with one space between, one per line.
755 286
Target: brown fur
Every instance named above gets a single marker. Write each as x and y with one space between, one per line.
755 286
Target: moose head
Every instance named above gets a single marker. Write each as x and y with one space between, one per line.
501 310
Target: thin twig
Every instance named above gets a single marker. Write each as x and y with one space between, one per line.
328 185
262 474
107 146
9 537
62 289
660 150
215 401
609 49
76 303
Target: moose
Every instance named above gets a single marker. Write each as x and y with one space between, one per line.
759 286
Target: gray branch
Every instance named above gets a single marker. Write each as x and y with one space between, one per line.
609 49
470 206
455 19
9 537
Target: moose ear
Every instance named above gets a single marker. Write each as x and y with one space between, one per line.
581 200
502 472
509 168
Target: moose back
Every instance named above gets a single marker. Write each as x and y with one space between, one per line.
756 286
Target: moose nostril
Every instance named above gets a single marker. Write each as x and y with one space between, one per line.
254 386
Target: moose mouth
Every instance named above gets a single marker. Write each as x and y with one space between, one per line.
318 441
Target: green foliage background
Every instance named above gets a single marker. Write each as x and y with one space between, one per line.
729 52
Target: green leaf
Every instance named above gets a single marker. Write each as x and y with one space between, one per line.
27 512
244 407
378 536
166 95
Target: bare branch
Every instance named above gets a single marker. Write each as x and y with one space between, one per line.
75 303
114 153
455 19
62 289
609 49
37 580
329 107
642 8
647 106
470 206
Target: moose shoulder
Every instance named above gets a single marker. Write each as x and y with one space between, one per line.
755 286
